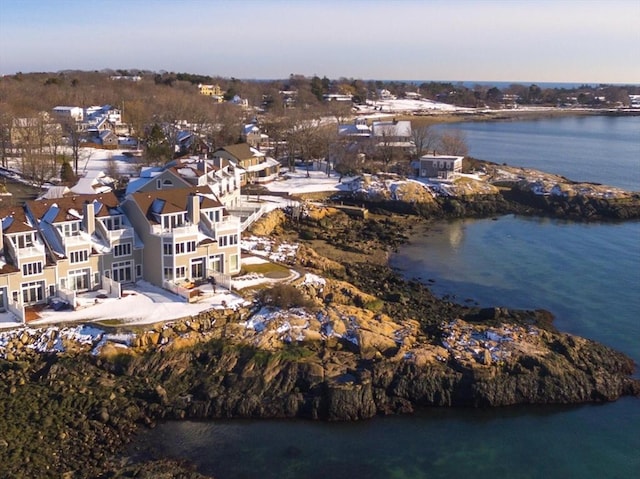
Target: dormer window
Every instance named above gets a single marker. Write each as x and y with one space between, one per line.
69 229
24 240
113 223
173 221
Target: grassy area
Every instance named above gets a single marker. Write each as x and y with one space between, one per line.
268 270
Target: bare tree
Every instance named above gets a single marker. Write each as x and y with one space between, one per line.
424 139
386 150
454 142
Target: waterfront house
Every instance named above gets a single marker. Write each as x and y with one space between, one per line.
437 166
256 167
187 234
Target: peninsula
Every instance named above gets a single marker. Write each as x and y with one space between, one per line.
313 323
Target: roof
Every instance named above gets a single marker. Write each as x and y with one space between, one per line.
69 208
241 151
173 200
441 157
14 220
391 128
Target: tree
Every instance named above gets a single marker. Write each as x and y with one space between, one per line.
159 150
66 173
73 135
424 139
454 143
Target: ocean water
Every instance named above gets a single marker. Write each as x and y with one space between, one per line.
588 275
600 149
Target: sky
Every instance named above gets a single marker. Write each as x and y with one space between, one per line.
576 41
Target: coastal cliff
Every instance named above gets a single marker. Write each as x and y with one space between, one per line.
347 340
354 341
491 189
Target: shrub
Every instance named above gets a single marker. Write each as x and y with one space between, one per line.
284 296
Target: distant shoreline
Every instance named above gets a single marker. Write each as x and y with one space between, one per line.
509 115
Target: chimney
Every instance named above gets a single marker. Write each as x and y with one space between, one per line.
193 208
89 218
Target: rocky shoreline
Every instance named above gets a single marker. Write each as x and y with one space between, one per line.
354 341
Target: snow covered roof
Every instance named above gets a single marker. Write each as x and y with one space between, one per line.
400 128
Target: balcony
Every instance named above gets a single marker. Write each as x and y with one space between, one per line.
186 230
112 236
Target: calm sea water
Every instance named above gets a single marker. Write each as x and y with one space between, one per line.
588 275
601 149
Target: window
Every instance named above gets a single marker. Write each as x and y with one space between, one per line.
216 263
186 247
123 249
29 269
69 229
122 271
139 271
32 292
223 241
181 272
233 260
79 256
173 221
167 183
168 273
24 241
158 184
113 223
167 248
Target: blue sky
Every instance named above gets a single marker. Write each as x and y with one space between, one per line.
484 40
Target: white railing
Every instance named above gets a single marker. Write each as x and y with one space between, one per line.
75 240
114 235
30 251
186 230
222 279
17 309
189 294
248 215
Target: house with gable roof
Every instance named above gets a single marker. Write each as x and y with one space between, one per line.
87 236
221 177
64 245
25 269
187 234
443 167
255 166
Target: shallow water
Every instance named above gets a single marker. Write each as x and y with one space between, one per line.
588 275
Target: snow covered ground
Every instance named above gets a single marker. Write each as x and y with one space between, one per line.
142 303
405 105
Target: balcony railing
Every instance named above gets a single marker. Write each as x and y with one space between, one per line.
114 235
186 230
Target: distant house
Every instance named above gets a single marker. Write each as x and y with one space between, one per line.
33 132
337 97
358 128
252 134
74 113
394 130
255 166
107 138
437 166
634 101
214 91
